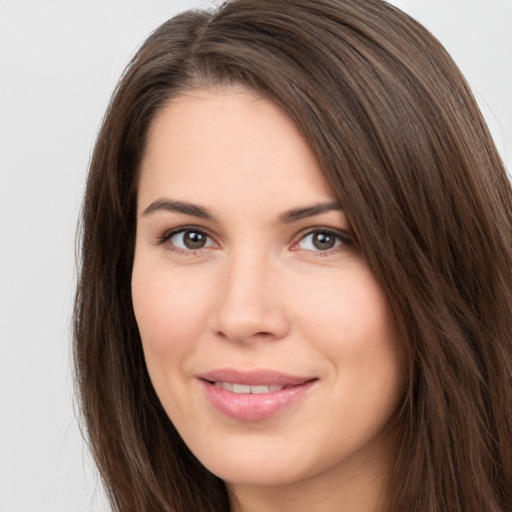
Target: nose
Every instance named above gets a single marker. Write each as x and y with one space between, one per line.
249 305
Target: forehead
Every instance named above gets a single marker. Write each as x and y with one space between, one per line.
221 142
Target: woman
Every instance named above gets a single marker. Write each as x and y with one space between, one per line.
295 288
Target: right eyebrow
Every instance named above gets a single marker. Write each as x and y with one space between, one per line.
180 207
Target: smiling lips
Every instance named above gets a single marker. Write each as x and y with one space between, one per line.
254 395
246 388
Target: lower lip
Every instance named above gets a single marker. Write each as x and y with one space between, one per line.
254 407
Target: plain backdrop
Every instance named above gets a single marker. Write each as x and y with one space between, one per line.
59 62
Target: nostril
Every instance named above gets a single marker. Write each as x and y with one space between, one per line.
248 322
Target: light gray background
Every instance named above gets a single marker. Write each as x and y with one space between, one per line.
59 62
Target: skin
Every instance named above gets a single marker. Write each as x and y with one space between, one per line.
261 295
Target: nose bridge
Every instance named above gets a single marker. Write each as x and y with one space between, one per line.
248 304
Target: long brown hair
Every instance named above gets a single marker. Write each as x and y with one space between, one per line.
405 149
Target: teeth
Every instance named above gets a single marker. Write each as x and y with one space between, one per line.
224 385
245 388
259 389
241 388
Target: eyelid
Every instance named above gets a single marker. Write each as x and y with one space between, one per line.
345 237
165 238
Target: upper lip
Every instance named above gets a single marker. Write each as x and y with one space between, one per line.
254 377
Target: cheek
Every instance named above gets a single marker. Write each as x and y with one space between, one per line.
168 311
351 323
351 308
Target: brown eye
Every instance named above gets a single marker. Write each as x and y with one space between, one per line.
194 239
321 241
188 240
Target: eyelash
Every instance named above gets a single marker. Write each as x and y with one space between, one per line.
344 239
165 238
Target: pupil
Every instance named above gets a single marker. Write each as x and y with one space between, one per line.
194 240
323 241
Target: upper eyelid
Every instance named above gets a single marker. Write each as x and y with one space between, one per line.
169 233
346 238
304 232
173 231
323 229
342 234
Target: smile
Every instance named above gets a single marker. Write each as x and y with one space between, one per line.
245 388
254 395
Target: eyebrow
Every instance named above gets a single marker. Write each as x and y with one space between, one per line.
180 207
203 213
308 211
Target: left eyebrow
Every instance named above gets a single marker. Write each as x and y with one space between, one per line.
308 211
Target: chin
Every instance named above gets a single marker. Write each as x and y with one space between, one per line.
261 475
255 466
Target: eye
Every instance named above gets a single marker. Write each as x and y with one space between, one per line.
322 240
187 239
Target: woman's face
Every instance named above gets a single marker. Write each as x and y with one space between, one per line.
268 340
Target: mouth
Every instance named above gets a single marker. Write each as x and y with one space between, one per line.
227 377
246 388
255 395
